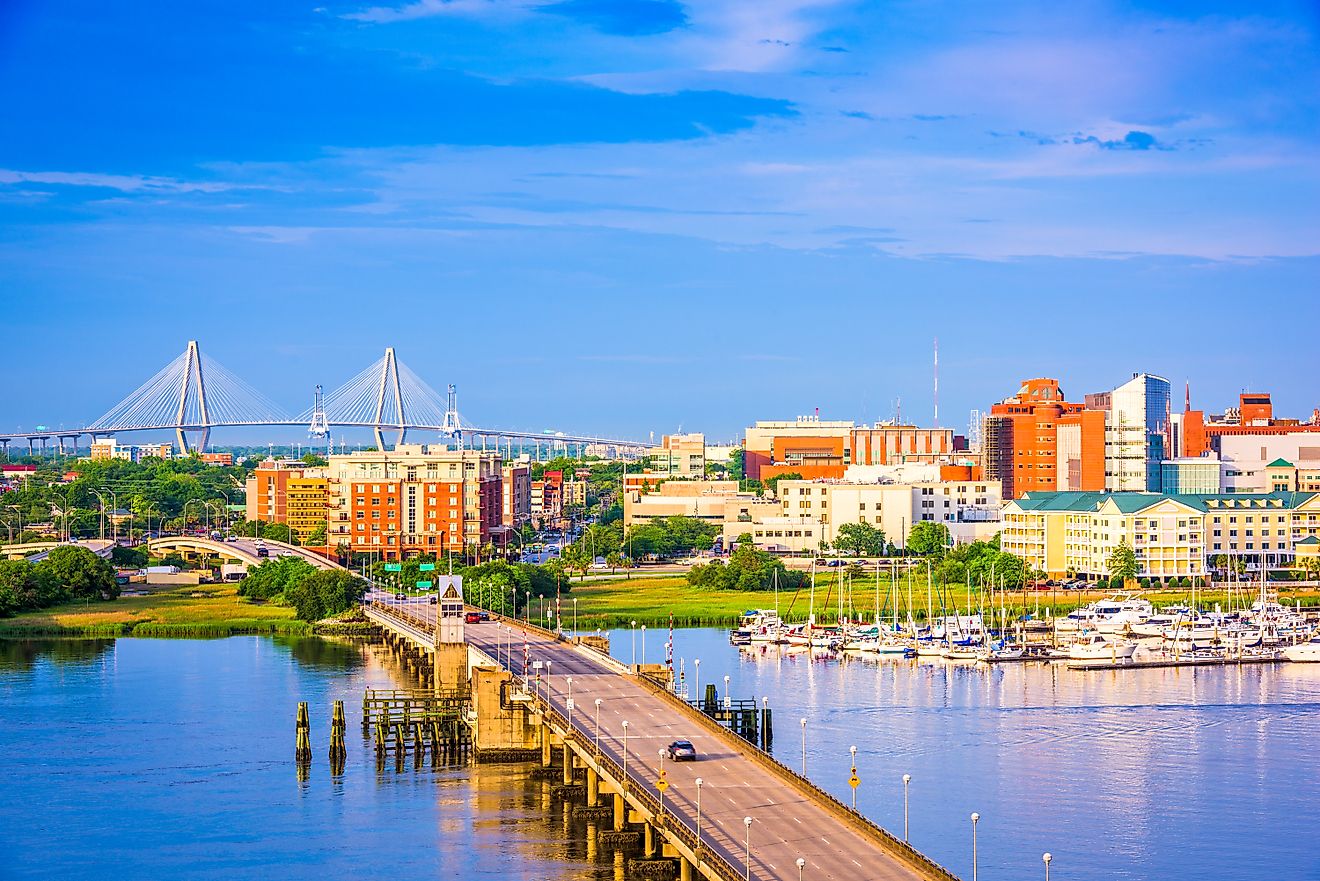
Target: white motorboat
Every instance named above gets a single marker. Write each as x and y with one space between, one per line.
1113 615
1093 647
1304 652
761 625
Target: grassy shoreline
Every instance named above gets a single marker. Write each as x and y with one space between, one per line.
212 611
650 599
207 610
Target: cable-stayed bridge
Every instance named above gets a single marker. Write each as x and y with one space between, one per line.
194 394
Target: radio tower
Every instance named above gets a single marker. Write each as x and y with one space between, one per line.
937 382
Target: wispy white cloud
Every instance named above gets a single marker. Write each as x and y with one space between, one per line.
431 8
124 183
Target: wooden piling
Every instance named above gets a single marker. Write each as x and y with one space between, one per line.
338 751
302 752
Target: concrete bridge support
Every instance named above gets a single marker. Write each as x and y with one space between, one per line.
451 666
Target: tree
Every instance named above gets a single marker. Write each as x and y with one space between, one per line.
736 465
772 483
1122 562
324 593
274 577
860 539
25 586
747 569
317 536
495 585
82 573
928 538
278 532
134 558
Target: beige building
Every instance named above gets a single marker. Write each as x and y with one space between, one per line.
516 495
1074 533
575 493
969 509
107 448
702 499
680 455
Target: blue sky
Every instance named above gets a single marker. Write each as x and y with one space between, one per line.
625 217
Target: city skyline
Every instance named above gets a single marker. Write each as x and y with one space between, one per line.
700 215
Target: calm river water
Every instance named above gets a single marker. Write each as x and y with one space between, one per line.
173 758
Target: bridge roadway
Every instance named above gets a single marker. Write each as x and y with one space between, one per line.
241 550
789 820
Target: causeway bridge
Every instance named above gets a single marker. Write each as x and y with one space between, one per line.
736 814
235 550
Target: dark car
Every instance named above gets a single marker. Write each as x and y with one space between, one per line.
401 596
681 751
433 600
484 616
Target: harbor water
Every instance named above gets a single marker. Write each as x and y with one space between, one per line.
174 758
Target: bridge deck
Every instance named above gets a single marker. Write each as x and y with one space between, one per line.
790 818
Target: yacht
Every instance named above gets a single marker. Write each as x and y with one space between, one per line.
1092 647
1113 615
1304 652
760 625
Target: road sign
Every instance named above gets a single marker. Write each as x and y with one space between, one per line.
536 665
662 784
569 704
424 585
393 567
854 781
426 567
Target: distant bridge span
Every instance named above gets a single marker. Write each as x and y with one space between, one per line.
240 550
194 394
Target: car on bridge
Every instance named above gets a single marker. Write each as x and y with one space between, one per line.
681 751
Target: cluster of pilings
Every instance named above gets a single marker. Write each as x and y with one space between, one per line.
414 660
403 722
742 717
612 830
302 750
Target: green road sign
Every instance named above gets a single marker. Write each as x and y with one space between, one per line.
393 567
426 567
424 585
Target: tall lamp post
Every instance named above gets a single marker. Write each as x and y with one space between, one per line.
643 645
699 782
633 625
801 864
907 778
803 722
853 751
625 755
1046 858
575 599
747 865
598 703
975 819
697 687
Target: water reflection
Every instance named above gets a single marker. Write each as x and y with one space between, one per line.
23 654
325 653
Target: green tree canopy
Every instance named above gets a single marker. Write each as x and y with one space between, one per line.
747 569
929 538
274 577
324 593
860 539
1122 561
82 573
772 483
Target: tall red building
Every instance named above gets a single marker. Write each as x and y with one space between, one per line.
1038 441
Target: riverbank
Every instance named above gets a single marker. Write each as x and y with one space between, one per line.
207 610
649 600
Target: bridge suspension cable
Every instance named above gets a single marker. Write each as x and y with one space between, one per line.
192 392
387 395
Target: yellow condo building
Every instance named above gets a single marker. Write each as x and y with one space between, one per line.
1073 533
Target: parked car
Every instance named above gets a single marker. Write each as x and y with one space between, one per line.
681 751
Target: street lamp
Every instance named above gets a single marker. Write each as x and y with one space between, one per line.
568 705
747 875
803 722
801 864
975 818
598 703
1047 858
697 688
699 782
643 645
625 754
728 699
907 778
575 599
662 788
633 625
853 751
